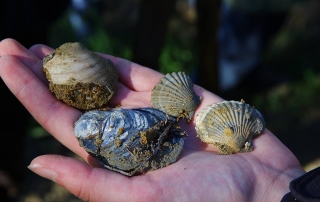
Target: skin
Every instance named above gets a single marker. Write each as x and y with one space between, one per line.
199 175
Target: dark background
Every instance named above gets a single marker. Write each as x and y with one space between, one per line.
167 35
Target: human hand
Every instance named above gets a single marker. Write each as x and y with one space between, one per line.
200 174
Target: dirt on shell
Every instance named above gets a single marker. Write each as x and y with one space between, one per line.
82 95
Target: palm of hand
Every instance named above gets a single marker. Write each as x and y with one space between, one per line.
199 175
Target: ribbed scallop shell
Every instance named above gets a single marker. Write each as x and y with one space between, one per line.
80 77
229 125
174 95
130 140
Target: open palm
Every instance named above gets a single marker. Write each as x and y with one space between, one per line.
200 174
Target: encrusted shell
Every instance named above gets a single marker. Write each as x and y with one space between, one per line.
80 77
229 125
174 95
130 141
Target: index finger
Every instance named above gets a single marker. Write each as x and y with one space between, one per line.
132 75
14 48
56 117
135 76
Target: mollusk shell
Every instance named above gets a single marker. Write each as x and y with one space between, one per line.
80 77
174 95
229 125
126 140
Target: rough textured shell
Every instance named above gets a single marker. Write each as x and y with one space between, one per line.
174 95
80 77
121 139
229 125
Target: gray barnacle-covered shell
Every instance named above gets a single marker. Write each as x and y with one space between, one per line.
174 95
229 125
80 77
130 141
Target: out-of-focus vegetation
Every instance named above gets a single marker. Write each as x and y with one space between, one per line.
292 108
177 57
179 49
98 39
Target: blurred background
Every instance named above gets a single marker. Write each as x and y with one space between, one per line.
267 53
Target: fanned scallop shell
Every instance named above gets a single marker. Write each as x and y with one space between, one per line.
130 140
174 95
229 125
80 77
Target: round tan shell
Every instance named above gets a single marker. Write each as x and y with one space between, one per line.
229 125
80 77
174 95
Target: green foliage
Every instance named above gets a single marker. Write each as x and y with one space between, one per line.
176 56
101 41
61 32
294 98
36 131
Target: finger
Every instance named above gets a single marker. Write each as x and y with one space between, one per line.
131 99
14 48
41 50
135 76
56 117
91 184
123 95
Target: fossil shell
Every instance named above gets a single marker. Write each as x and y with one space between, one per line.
229 125
174 95
80 77
130 141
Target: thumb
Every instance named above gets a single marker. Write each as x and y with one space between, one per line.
82 180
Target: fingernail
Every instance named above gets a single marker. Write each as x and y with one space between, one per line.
43 171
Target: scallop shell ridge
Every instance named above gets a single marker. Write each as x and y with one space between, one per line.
229 125
174 95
